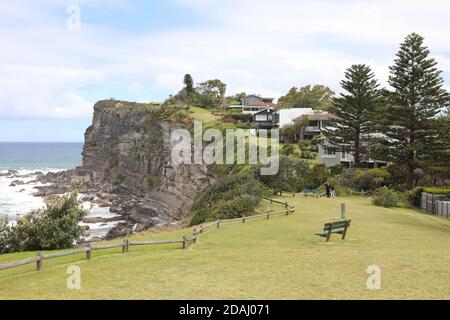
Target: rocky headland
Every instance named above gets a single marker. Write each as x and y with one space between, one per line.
127 167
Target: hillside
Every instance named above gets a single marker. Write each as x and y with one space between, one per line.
280 258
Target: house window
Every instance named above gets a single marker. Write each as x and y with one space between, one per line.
330 152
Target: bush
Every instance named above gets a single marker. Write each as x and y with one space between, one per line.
335 170
384 197
242 117
364 179
287 150
304 144
236 195
53 228
236 208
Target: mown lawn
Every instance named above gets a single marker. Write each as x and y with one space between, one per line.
276 259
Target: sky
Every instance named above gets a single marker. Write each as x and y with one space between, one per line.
57 57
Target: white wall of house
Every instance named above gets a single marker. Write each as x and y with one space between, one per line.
287 116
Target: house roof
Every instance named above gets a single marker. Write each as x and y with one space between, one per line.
259 97
262 104
270 110
317 117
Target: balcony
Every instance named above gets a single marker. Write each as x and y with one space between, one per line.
312 129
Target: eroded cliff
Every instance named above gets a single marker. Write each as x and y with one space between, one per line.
127 161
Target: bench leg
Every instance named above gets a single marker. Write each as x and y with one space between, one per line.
345 233
329 236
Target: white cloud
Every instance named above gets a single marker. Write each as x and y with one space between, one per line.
254 46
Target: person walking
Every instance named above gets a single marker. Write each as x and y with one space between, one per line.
328 189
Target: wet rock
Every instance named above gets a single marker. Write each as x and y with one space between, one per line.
88 198
17 183
101 219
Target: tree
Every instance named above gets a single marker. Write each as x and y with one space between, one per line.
317 97
355 112
211 93
55 227
291 176
411 133
189 84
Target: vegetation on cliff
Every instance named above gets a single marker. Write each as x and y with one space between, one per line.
236 195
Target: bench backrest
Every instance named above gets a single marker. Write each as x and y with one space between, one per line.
336 225
309 191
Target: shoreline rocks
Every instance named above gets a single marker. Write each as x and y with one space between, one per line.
127 166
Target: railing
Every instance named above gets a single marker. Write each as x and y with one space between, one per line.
217 223
127 243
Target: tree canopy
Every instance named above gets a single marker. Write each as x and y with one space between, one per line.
355 112
317 97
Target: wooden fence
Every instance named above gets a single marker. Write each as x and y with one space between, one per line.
126 244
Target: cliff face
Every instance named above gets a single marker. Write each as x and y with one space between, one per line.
126 159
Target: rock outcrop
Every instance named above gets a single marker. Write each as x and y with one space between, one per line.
127 164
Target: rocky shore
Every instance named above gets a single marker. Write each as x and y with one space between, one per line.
127 168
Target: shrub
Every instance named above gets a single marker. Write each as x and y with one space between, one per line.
335 170
53 228
242 117
237 207
304 144
306 154
384 197
240 192
287 150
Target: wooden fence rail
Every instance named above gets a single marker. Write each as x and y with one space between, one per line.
126 244
217 223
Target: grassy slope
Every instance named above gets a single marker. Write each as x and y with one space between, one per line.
202 114
279 259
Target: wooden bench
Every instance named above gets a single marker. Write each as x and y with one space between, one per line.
339 227
309 192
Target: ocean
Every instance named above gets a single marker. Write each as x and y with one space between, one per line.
29 158
40 156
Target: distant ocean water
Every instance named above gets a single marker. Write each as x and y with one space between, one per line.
28 158
40 156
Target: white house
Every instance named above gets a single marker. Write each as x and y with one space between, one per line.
284 117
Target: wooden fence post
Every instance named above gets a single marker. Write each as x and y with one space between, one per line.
287 208
125 246
243 220
185 244
40 262
218 224
268 215
343 211
89 252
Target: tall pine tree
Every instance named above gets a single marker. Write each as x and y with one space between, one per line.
411 134
355 110
189 84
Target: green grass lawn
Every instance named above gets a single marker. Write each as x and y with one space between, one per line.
202 114
276 259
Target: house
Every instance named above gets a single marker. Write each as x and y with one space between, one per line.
284 117
264 118
315 124
252 104
255 109
254 100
